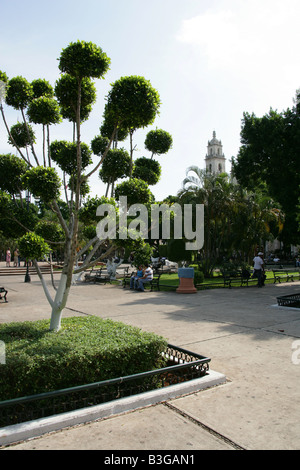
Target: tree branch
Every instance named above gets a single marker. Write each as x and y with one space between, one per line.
11 137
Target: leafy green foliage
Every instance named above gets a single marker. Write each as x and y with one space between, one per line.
49 230
44 110
177 252
84 59
65 155
158 141
15 221
11 170
66 91
3 77
137 191
42 182
23 135
115 165
99 144
147 170
85 350
84 186
19 93
270 154
32 246
132 102
87 213
142 254
108 125
41 87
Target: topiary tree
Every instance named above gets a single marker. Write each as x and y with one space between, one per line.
131 103
21 135
146 169
126 95
44 110
115 166
66 92
136 191
158 142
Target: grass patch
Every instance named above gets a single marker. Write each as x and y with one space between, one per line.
85 350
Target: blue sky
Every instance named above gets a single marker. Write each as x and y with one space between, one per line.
210 61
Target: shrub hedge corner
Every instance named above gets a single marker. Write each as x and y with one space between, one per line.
85 350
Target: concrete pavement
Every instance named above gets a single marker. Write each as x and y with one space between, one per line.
248 338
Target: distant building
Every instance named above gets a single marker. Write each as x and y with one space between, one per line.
215 158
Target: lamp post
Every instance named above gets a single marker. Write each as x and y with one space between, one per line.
27 276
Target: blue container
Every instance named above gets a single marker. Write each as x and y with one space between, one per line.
187 273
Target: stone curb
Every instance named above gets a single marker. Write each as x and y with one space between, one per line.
30 429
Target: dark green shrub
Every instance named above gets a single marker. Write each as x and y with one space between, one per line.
198 277
85 350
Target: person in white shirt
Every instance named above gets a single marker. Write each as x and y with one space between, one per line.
147 277
259 268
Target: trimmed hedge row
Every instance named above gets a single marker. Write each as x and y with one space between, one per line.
85 350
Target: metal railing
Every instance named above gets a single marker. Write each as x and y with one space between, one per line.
292 300
182 365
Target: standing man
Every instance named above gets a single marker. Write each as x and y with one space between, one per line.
259 268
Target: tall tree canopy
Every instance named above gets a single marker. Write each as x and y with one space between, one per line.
270 154
132 103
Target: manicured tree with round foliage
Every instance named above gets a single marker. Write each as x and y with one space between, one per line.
15 168
137 191
107 128
99 144
132 104
44 110
19 94
158 142
147 170
41 87
43 183
66 92
19 135
32 246
65 155
82 59
116 165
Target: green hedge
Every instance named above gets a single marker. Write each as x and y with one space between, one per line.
85 350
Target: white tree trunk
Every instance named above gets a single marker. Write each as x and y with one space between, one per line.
59 303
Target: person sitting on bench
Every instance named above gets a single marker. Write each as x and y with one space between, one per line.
147 277
134 278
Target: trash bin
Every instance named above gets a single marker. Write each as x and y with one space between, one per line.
186 278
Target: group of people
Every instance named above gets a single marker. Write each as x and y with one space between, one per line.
144 274
16 258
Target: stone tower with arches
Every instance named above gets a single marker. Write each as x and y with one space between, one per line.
215 158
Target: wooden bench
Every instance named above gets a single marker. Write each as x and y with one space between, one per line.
285 275
3 291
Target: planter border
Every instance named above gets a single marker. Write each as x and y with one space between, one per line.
185 366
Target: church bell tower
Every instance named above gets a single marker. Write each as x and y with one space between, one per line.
215 158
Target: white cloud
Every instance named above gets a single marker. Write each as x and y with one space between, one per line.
257 34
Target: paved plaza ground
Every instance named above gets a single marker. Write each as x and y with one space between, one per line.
248 338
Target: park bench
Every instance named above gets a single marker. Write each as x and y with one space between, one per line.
97 276
284 275
3 291
240 276
154 284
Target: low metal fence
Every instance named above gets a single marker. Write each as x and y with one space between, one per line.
292 300
182 365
